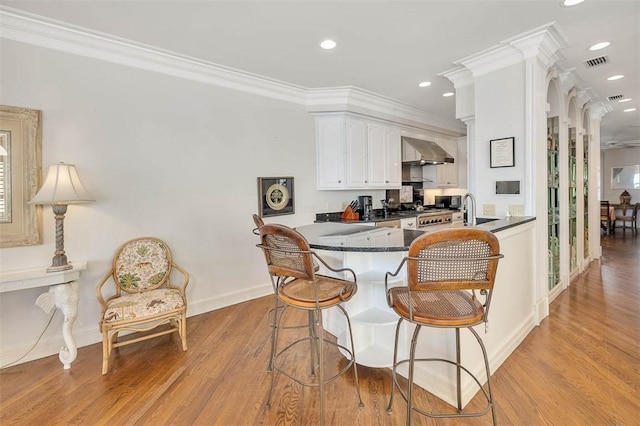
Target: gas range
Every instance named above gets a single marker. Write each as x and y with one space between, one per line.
430 218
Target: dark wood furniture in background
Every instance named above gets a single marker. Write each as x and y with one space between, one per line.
626 217
605 218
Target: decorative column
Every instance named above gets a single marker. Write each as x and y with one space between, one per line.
495 77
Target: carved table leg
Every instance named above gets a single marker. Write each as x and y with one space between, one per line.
64 297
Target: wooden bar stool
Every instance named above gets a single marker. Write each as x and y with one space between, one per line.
296 284
445 270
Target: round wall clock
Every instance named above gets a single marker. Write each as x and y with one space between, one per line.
277 196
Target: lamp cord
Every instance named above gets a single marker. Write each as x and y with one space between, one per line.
34 345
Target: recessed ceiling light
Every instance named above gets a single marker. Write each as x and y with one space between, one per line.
624 100
425 84
600 45
446 95
571 2
629 109
328 44
615 77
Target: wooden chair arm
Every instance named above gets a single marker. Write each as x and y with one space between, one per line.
101 299
185 276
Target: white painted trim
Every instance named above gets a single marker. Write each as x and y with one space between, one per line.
89 334
354 99
40 31
52 34
229 299
542 42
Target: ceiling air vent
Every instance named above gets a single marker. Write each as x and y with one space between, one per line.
615 98
594 62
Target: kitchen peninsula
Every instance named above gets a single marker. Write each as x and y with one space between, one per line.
371 252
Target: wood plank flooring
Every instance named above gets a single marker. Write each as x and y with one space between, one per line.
580 367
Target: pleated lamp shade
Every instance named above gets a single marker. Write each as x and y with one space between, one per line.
62 186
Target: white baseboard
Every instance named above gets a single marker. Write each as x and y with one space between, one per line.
89 334
213 303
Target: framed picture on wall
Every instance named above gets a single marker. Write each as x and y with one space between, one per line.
502 153
276 196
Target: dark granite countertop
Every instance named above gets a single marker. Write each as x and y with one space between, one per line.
341 236
378 216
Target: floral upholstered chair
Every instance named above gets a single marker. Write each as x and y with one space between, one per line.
144 296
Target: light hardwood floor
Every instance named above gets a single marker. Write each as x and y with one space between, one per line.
580 367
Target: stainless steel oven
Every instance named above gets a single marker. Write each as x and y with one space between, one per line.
439 219
435 218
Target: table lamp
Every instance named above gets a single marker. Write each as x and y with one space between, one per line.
61 188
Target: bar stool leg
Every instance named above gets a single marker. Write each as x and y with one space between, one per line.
353 354
320 337
458 375
273 331
274 344
313 343
486 367
393 367
412 358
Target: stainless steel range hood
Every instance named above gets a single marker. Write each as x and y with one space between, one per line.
429 152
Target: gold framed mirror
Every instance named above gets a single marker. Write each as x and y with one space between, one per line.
20 169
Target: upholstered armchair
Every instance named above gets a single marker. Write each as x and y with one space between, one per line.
144 297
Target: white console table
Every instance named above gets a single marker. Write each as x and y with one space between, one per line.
63 294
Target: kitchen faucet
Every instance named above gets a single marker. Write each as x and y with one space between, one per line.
470 216
385 207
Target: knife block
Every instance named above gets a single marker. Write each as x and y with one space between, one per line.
349 214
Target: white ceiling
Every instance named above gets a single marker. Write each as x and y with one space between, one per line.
386 47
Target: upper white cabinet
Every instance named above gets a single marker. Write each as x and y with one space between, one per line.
355 153
384 160
442 175
331 152
447 174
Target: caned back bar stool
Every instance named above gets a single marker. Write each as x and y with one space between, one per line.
447 272
297 285
271 315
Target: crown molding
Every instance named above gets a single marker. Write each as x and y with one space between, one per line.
543 42
459 76
354 99
36 30
29 28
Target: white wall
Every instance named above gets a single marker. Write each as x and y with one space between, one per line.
615 158
497 120
163 157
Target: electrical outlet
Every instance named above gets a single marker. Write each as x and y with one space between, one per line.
516 210
489 209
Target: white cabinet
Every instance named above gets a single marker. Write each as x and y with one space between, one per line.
447 174
409 223
443 175
330 152
384 161
355 153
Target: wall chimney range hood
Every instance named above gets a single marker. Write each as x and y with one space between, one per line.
429 152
